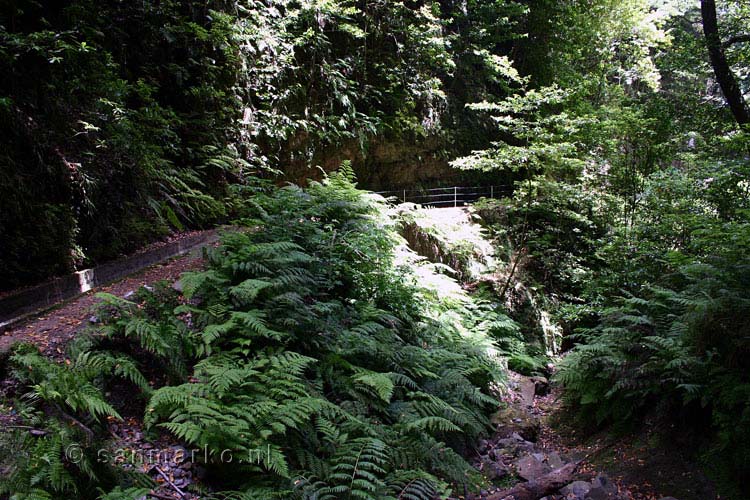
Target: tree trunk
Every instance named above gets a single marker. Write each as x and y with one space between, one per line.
540 487
724 75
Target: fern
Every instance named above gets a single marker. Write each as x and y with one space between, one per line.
358 469
304 350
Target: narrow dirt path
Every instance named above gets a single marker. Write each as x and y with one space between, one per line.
167 463
52 330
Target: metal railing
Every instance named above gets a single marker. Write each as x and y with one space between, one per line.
455 196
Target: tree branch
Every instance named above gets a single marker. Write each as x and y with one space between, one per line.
736 39
725 77
166 478
70 418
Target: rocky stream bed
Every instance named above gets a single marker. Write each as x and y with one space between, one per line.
527 463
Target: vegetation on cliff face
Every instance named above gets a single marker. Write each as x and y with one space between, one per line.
123 121
623 124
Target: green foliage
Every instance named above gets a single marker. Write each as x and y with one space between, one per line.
683 346
311 349
629 222
535 136
306 344
111 133
304 350
600 41
122 122
54 453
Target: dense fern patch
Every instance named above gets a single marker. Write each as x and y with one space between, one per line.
677 349
303 348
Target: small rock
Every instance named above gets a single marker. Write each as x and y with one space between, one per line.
527 389
541 385
129 295
576 490
530 468
603 481
177 286
483 445
487 466
93 320
554 460
497 470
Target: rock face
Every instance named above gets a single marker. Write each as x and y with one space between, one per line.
384 164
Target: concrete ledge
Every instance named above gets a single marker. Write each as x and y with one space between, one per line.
26 302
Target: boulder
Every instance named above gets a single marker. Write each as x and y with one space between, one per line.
576 490
526 390
554 460
541 385
602 488
511 420
530 468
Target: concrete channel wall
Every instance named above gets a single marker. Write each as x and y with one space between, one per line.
19 305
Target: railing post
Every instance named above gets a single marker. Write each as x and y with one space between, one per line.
492 192
455 196
404 196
